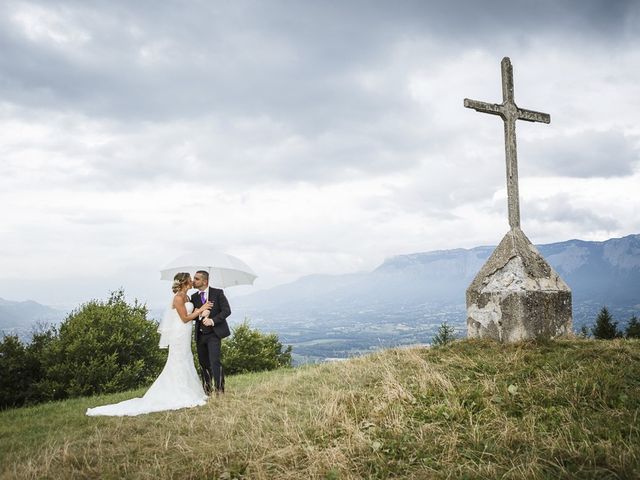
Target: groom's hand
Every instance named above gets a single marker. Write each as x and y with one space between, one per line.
207 322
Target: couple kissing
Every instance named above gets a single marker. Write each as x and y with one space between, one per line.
178 385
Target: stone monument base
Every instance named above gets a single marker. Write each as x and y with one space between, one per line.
517 295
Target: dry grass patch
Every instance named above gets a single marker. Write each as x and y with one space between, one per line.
469 410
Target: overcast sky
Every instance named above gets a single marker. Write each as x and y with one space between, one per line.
302 136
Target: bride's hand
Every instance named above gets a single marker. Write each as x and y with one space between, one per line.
205 313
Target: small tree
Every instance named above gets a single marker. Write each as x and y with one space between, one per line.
605 327
446 334
249 350
584 332
633 328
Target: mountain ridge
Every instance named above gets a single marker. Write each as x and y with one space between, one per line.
21 317
481 253
404 299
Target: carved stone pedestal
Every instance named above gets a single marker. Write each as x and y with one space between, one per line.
517 295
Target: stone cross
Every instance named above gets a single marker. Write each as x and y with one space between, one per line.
509 112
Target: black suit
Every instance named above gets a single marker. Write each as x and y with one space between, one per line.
209 339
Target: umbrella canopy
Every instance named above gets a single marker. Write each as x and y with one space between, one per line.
224 270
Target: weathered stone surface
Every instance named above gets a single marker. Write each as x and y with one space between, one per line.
517 295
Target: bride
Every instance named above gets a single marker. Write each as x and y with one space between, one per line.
178 386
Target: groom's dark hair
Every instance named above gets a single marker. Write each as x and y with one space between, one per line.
204 274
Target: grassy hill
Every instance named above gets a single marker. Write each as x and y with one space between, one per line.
566 409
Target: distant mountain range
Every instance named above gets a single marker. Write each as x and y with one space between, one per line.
19 318
406 298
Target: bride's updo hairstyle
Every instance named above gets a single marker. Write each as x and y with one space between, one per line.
179 281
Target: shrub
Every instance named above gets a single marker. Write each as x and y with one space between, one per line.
584 332
14 380
249 350
106 347
23 368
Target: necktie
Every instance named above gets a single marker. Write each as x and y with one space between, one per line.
202 297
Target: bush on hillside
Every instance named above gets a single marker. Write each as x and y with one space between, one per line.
105 347
14 368
23 369
249 350
41 387
110 346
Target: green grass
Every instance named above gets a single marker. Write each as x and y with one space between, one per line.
472 409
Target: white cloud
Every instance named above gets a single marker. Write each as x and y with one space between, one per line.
48 26
305 139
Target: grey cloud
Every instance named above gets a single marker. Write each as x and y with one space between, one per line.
235 95
212 151
560 208
221 59
289 58
293 63
586 154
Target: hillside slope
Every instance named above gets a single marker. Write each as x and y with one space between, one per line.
567 409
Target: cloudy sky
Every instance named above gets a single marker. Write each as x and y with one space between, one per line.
302 136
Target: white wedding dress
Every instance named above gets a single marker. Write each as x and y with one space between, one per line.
178 386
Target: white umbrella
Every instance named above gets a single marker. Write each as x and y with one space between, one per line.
224 270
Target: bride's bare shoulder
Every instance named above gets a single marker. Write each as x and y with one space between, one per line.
179 298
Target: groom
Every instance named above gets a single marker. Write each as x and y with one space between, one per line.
210 331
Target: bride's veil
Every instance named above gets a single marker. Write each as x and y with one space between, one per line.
168 326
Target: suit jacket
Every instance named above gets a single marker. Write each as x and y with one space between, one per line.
219 313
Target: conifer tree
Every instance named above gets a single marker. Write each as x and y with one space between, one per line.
633 328
605 327
446 334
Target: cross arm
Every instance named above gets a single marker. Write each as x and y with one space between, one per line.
492 108
532 116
